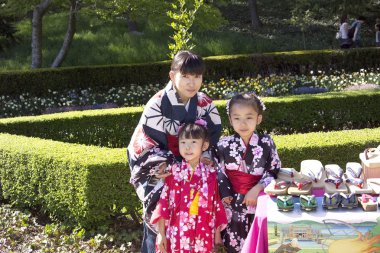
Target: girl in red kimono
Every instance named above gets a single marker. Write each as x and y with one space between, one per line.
190 214
248 162
154 144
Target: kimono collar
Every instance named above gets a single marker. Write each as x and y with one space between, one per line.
173 95
184 171
253 141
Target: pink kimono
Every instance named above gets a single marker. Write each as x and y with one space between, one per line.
190 225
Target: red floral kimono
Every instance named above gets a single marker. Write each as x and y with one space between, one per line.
192 208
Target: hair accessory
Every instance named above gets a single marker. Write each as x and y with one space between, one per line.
261 103
180 127
228 107
201 122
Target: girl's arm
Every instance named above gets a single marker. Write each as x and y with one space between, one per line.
225 187
161 237
250 198
272 165
218 236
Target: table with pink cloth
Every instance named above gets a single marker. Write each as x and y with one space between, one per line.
257 239
321 229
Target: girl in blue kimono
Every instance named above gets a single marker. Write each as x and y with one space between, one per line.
248 162
154 143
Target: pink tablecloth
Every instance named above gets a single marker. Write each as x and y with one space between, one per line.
257 239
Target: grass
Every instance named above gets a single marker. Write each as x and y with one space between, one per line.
99 42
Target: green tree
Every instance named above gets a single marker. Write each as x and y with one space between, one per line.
39 8
303 20
7 28
183 19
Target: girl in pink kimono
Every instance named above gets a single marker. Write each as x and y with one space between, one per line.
248 162
154 144
189 214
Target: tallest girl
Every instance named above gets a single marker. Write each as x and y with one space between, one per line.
154 143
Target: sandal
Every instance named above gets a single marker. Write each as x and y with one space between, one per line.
354 179
281 184
331 201
374 184
301 186
314 170
349 200
368 202
287 174
334 179
277 187
285 203
308 202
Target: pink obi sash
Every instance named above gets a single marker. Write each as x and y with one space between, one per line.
242 182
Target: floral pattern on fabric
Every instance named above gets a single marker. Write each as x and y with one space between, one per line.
188 232
260 158
155 141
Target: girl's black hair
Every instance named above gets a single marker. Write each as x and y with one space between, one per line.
193 131
187 62
247 99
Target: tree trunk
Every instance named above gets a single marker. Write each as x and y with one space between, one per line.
255 20
68 36
38 13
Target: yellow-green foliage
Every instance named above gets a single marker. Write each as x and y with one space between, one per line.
284 115
74 183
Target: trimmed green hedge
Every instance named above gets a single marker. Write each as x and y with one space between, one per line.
85 184
284 115
74 183
38 82
337 147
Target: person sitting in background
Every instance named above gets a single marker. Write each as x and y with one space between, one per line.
344 41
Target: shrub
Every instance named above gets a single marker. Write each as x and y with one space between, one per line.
337 147
73 183
135 95
284 115
38 82
84 184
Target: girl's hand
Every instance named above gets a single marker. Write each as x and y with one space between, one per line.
251 196
227 200
161 171
161 242
218 237
207 161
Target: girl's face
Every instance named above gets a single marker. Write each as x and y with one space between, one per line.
192 149
187 85
244 119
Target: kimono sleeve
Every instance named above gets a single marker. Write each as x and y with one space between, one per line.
210 114
145 150
220 213
225 187
162 209
272 165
